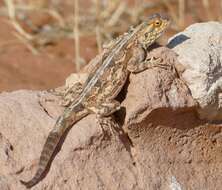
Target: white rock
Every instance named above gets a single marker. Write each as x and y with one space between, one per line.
200 50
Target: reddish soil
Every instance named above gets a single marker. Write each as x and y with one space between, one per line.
21 69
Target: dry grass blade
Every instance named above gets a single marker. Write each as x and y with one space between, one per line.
137 9
98 39
116 15
23 36
181 13
206 5
11 12
76 35
11 8
97 28
102 18
26 43
172 12
53 13
220 16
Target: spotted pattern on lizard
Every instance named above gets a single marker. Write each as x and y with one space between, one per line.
97 96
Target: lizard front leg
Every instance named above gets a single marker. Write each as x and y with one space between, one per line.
139 61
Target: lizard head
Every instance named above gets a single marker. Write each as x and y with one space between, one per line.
152 29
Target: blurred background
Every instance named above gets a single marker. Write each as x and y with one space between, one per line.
43 41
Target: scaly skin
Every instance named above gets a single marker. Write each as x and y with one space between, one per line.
127 54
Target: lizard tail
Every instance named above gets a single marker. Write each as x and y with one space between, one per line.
52 141
46 154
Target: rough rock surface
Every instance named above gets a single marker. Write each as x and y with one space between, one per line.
89 158
200 50
161 143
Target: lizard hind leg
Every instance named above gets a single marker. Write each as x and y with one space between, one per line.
104 113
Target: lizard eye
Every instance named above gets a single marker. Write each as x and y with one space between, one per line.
157 23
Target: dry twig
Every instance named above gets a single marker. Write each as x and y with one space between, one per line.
76 35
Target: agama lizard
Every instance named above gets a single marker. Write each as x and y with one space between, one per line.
126 54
